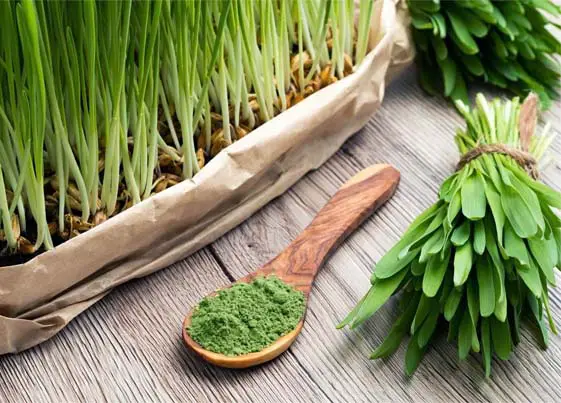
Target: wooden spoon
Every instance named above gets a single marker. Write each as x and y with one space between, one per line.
299 263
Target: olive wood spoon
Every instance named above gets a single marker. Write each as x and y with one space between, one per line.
299 263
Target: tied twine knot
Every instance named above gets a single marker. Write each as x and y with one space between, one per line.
522 158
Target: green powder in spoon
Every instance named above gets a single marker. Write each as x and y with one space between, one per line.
246 318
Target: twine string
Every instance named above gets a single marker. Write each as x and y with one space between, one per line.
522 158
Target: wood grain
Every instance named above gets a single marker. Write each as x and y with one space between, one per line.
299 263
128 346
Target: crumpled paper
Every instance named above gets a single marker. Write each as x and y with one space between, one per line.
40 297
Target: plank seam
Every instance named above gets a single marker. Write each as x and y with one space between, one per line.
220 263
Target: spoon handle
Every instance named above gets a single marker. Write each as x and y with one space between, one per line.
345 211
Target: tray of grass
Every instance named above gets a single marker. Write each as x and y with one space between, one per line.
130 137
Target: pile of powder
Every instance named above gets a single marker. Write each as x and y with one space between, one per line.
246 318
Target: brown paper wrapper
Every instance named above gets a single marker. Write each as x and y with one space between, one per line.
40 297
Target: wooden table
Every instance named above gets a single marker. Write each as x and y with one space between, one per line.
128 347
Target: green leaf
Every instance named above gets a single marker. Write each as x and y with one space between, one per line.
491 247
461 234
473 64
499 47
439 48
545 253
351 315
486 14
473 306
479 237
439 24
521 21
454 326
447 287
551 218
514 246
531 277
414 355
421 21
526 51
427 6
460 90
475 26
425 304
500 308
427 80
391 262
390 344
500 290
545 300
460 34
514 290
486 345
473 301
434 274
433 245
465 336
452 303
496 78
535 306
474 202
448 188
475 346
377 296
552 197
500 20
504 68
530 199
449 74
516 310
518 213
427 330
399 329
511 47
500 334
427 236
486 288
547 5
494 201
380 291
454 207
557 235
463 260
417 268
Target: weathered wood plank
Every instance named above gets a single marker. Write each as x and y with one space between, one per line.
422 147
128 348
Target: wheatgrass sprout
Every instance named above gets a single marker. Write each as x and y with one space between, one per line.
26 110
143 80
252 54
181 69
66 142
104 103
365 15
113 50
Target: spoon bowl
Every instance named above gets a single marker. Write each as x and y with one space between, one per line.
244 360
299 263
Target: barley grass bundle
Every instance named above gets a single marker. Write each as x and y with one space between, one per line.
509 44
481 259
104 103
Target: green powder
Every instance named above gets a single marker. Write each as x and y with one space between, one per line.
246 318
